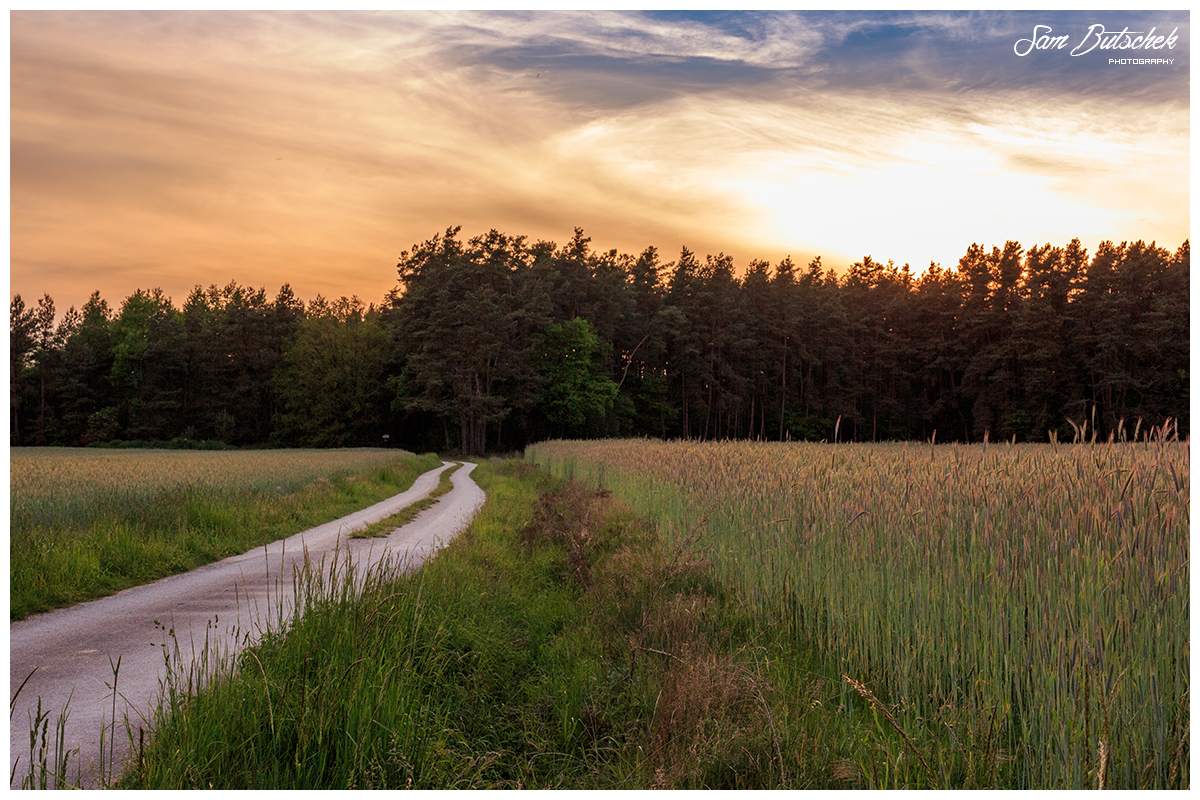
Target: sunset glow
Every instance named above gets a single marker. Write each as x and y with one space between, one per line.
175 149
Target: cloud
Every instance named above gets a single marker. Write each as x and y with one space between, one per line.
311 148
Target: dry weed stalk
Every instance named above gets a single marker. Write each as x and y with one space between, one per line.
845 771
699 689
882 709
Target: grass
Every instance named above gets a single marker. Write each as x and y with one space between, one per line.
568 639
87 523
559 642
1011 616
62 486
386 527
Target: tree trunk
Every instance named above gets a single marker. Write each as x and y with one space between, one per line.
708 410
783 390
687 434
750 429
41 437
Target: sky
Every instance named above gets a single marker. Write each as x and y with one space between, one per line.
175 149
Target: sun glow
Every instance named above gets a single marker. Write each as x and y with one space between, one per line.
176 149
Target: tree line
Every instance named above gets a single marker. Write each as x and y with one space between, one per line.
496 341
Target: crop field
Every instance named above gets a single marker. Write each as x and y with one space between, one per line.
1025 607
56 486
85 522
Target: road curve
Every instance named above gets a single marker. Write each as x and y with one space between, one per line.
68 651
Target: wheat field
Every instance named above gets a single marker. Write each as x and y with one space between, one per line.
1029 603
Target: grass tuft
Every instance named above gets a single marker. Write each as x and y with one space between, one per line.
387 526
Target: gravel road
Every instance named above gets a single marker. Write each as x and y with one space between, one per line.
69 650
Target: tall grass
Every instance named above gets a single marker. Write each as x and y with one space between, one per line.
85 523
382 682
556 643
1022 609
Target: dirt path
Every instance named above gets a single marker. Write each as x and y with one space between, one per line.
227 602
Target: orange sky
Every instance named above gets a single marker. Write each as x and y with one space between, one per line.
175 149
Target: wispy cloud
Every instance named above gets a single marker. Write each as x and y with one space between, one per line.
181 148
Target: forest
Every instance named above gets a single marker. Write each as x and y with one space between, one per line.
494 342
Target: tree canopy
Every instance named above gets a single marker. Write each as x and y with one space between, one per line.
492 342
